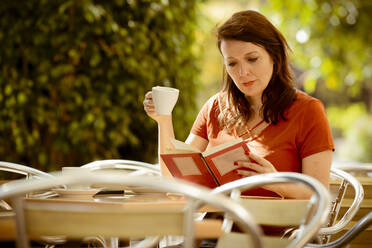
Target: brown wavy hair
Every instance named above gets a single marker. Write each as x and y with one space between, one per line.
251 26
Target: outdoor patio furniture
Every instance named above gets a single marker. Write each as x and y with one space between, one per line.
38 217
308 215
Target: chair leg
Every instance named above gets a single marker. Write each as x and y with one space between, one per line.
112 242
22 238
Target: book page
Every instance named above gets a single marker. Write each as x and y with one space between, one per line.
225 162
177 151
179 145
221 147
187 166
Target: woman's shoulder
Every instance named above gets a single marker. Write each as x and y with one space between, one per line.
304 104
216 100
304 100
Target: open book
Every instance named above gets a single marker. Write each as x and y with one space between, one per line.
211 168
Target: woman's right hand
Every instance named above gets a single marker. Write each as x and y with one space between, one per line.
149 107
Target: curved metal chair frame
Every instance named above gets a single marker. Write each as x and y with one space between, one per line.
359 227
356 168
133 167
28 172
320 199
194 194
333 227
22 169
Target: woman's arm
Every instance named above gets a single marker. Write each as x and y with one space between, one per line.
316 165
197 142
165 130
166 133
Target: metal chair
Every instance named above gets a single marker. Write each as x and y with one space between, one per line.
99 221
356 169
129 167
22 169
26 171
132 167
363 173
29 173
309 215
333 225
351 234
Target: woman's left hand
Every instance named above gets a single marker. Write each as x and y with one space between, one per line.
257 164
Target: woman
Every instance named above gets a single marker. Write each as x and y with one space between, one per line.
285 129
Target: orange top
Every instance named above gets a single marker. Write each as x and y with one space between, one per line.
305 132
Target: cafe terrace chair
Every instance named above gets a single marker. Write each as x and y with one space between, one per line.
349 236
357 169
309 215
24 170
335 223
7 212
78 219
125 166
132 167
363 173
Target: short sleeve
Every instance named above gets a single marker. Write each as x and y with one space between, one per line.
315 134
199 127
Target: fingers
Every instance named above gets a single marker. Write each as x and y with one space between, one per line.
259 160
148 104
246 173
148 95
253 166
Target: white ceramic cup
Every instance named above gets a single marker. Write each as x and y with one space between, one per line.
165 98
75 171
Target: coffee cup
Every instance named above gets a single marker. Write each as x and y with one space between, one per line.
165 99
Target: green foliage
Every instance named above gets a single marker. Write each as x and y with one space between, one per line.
358 145
343 117
74 75
331 41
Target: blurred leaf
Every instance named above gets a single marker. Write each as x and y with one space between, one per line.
310 85
74 74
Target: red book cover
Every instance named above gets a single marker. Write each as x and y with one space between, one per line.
211 168
190 167
221 160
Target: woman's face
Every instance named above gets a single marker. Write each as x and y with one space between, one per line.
250 66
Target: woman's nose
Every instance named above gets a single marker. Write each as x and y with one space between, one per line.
243 70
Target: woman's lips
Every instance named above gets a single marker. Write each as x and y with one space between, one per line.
249 83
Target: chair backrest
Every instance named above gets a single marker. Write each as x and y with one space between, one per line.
349 236
334 225
22 169
357 169
130 166
363 173
308 215
93 218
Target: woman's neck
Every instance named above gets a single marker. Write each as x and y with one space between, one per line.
256 104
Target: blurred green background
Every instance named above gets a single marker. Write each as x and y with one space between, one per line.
74 73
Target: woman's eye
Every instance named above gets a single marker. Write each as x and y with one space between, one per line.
252 59
231 64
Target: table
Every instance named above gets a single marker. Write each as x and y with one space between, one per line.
121 216
136 215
